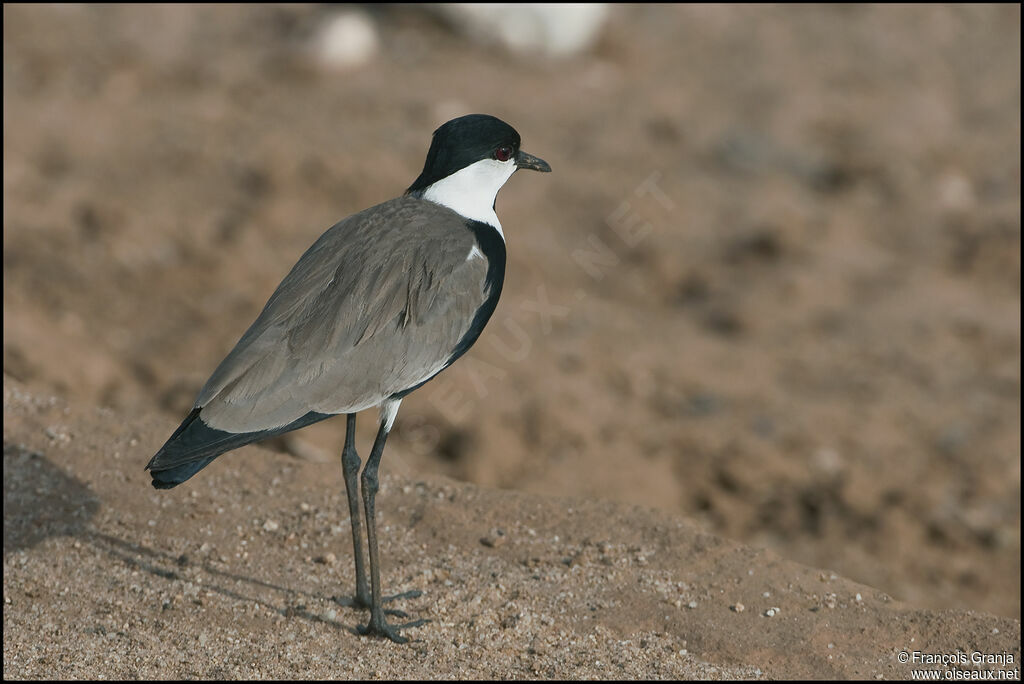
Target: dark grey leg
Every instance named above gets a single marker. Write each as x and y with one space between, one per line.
378 625
350 467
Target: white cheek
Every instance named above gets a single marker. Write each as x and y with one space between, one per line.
471 191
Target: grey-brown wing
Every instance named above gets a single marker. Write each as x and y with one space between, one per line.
374 307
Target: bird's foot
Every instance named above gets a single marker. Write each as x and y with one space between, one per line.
364 601
414 593
378 626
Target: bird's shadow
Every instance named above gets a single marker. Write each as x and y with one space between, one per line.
43 501
167 566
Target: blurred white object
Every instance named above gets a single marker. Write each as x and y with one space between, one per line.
553 30
348 39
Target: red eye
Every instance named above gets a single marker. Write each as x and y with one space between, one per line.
503 153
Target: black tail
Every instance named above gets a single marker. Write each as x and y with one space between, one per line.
194 445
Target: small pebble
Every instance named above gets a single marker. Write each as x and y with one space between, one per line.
494 539
739 607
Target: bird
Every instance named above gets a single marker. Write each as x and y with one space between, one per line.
381 303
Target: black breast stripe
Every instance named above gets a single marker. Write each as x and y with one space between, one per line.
492 246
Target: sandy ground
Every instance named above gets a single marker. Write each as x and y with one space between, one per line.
771 293
248 573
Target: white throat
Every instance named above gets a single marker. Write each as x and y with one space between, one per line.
471 191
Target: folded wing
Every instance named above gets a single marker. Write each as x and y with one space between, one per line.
376 306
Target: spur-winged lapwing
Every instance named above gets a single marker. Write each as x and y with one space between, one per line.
385 300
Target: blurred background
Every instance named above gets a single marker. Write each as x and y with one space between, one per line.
773 283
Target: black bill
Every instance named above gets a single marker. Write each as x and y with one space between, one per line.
528 161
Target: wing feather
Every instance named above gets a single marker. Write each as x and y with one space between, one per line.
374 307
